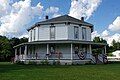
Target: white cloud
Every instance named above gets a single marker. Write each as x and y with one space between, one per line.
115 37
115 26
56 15
83 8
54 11
16 17
95 34
19 17
24 35
105 33
4 7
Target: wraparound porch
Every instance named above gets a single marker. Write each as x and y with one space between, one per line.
64 51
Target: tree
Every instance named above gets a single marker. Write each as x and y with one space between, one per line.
97 51
6 47
115 45
23 40
96 40
14 41
99 40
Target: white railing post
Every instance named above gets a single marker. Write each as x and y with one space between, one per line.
15 54
47 50
20 53
90 49
105 49
71 52
25 52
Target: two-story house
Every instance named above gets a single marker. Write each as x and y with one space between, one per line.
65 39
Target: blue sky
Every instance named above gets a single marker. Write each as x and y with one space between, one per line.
105 14
18 15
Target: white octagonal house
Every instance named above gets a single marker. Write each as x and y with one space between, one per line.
64 39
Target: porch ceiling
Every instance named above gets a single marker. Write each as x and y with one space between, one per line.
61 41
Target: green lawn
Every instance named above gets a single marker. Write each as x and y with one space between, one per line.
82 72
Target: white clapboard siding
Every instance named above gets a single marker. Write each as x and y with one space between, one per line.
62 32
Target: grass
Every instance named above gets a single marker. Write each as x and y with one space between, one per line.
10 71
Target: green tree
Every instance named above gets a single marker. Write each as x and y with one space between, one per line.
6 47
96 40
23 40
99 40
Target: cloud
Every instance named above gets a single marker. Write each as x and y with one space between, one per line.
24 35
4 7
115 26
94 34
54 11
16 19
106 35
83 8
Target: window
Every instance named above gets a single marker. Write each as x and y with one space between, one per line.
34 34
76 32
52 32
83 33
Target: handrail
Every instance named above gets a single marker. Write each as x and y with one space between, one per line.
92 58
100 57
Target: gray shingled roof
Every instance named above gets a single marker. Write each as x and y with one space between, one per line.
63 19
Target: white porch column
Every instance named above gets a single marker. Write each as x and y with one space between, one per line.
20 56
15 54
90 49
25 52
105 49
47 50
71 51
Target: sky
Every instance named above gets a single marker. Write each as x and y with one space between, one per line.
18 15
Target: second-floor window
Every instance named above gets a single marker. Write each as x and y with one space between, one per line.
83 33
52 32
76 32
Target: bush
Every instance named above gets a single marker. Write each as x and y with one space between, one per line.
32 63
56 62
19 62
45 62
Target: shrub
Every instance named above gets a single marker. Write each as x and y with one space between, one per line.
45 62
32 63
56 62
19 62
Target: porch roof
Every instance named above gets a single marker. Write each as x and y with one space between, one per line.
60 41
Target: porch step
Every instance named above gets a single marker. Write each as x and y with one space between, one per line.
81 61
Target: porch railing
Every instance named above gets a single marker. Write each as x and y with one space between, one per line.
52 56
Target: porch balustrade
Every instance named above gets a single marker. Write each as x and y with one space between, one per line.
40 56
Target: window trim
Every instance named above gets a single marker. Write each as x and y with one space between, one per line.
51 32
83 33
76 28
